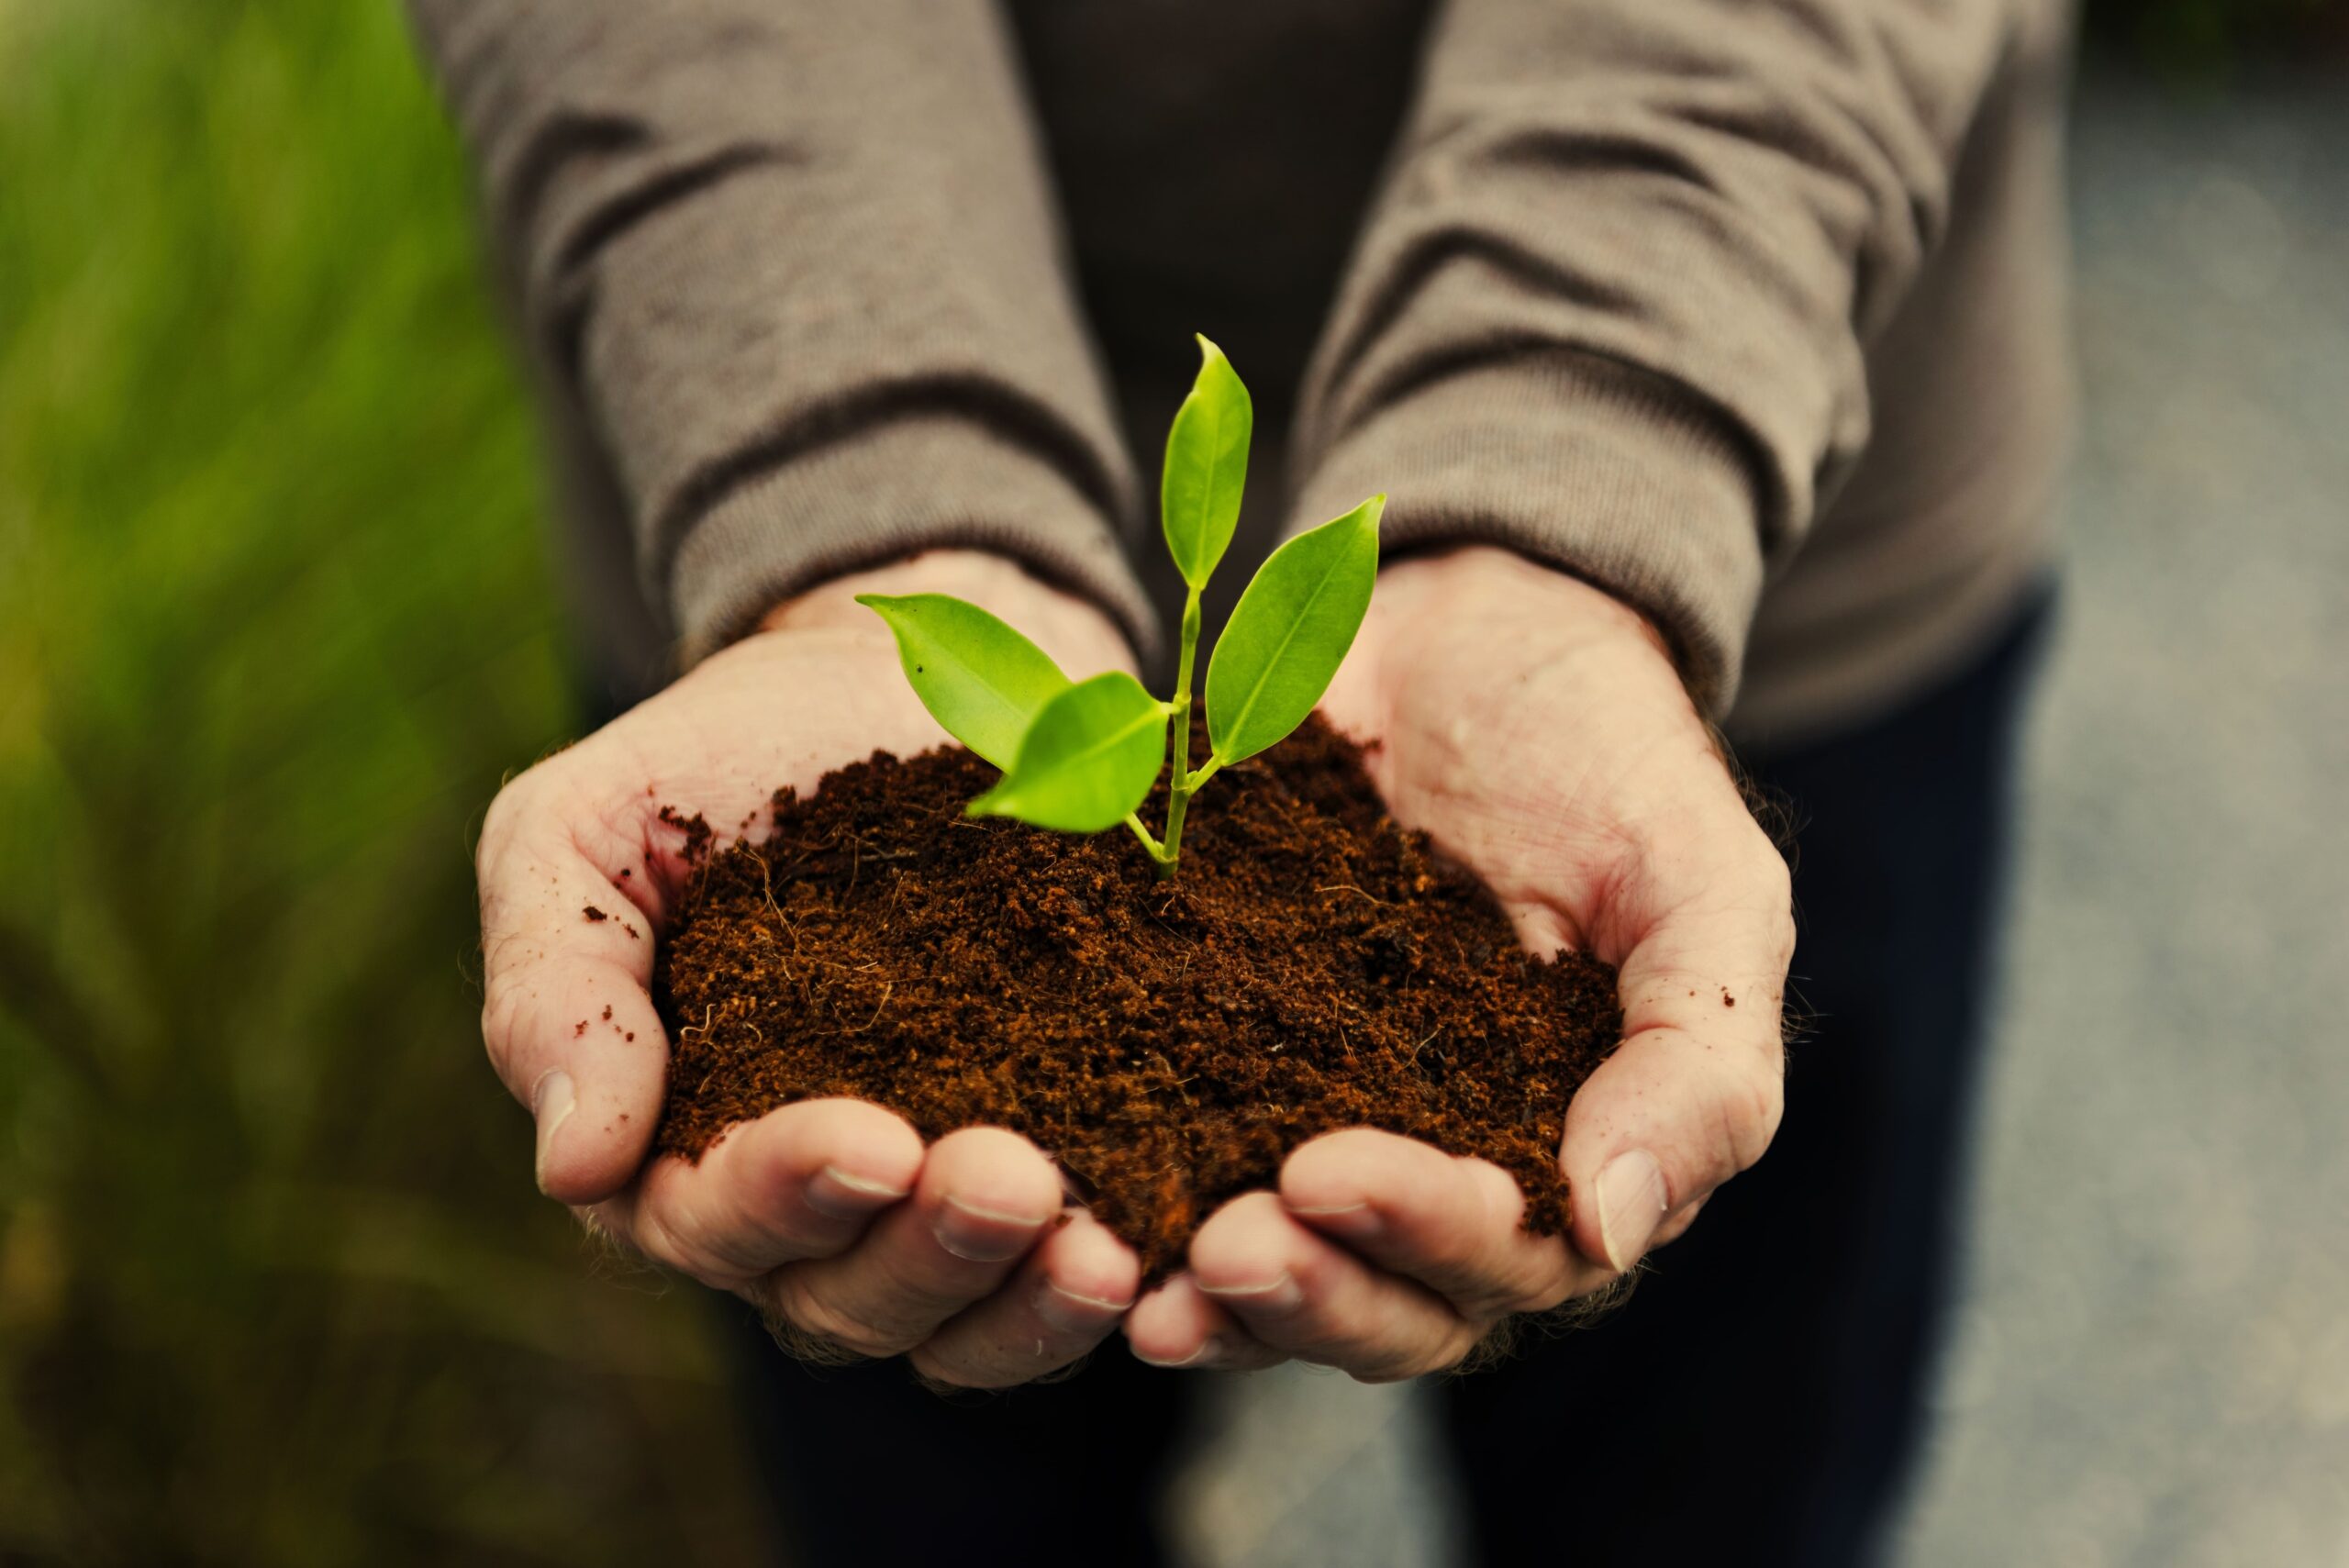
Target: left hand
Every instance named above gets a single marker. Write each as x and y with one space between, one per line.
830 1215
1534 725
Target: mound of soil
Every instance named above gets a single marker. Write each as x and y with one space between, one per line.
1313 967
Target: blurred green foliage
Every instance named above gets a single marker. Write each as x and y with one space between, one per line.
274 1286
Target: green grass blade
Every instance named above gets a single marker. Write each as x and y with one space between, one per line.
1087 761
980 679
1207 467
1290 631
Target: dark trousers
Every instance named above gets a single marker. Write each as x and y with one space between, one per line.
1757 1401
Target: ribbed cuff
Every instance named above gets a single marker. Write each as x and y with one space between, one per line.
1584 463
931 482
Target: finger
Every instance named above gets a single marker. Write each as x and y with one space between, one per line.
1312 1300
1065 1299
983 1201
803 1181
566 1012
1693 1093
1454 1224
1177 1325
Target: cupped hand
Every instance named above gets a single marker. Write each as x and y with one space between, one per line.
1534 725
830 1215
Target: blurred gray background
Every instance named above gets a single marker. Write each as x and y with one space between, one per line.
2151 1365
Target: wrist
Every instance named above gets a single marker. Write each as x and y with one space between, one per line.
1077 633
1469 583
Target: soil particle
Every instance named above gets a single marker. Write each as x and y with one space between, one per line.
1313 967
595 914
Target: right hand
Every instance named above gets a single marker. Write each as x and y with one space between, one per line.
830 1215
1536 726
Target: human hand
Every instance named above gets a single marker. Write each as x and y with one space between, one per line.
830 1215
1534 725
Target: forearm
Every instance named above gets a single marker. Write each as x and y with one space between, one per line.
796 264
1613 307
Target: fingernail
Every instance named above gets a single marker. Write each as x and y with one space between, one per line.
982 1235
1354 1221
1072 1312
1281 1294
1632 1199
553 1100
1203 1359
832 1190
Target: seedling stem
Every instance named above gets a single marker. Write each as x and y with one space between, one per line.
1081 756
1179 788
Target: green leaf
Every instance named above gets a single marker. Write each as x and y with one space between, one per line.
1290 631
1207 467
1088 759
981 680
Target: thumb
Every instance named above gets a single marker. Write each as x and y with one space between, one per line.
1693 1093
567 1011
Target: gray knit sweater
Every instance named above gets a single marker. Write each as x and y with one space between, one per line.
1749 310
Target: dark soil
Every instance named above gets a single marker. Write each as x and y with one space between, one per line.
1313 967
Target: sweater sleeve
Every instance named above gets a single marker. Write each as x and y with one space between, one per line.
1612 305
797 261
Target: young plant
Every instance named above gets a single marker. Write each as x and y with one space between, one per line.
1081 756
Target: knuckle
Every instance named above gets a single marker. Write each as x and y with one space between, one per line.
502 1007
1397 1366
1461 1251
1486 1268
1317 1335
1454 1347
928 1364
1749 1108
496 1016
684 1242
513 980
1329 1309
1328 1337
1537 1292
1418 1356
829 1324
1499 1210
663 1241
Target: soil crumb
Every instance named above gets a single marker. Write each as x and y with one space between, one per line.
1313 967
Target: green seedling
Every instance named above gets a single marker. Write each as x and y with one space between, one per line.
1082 756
